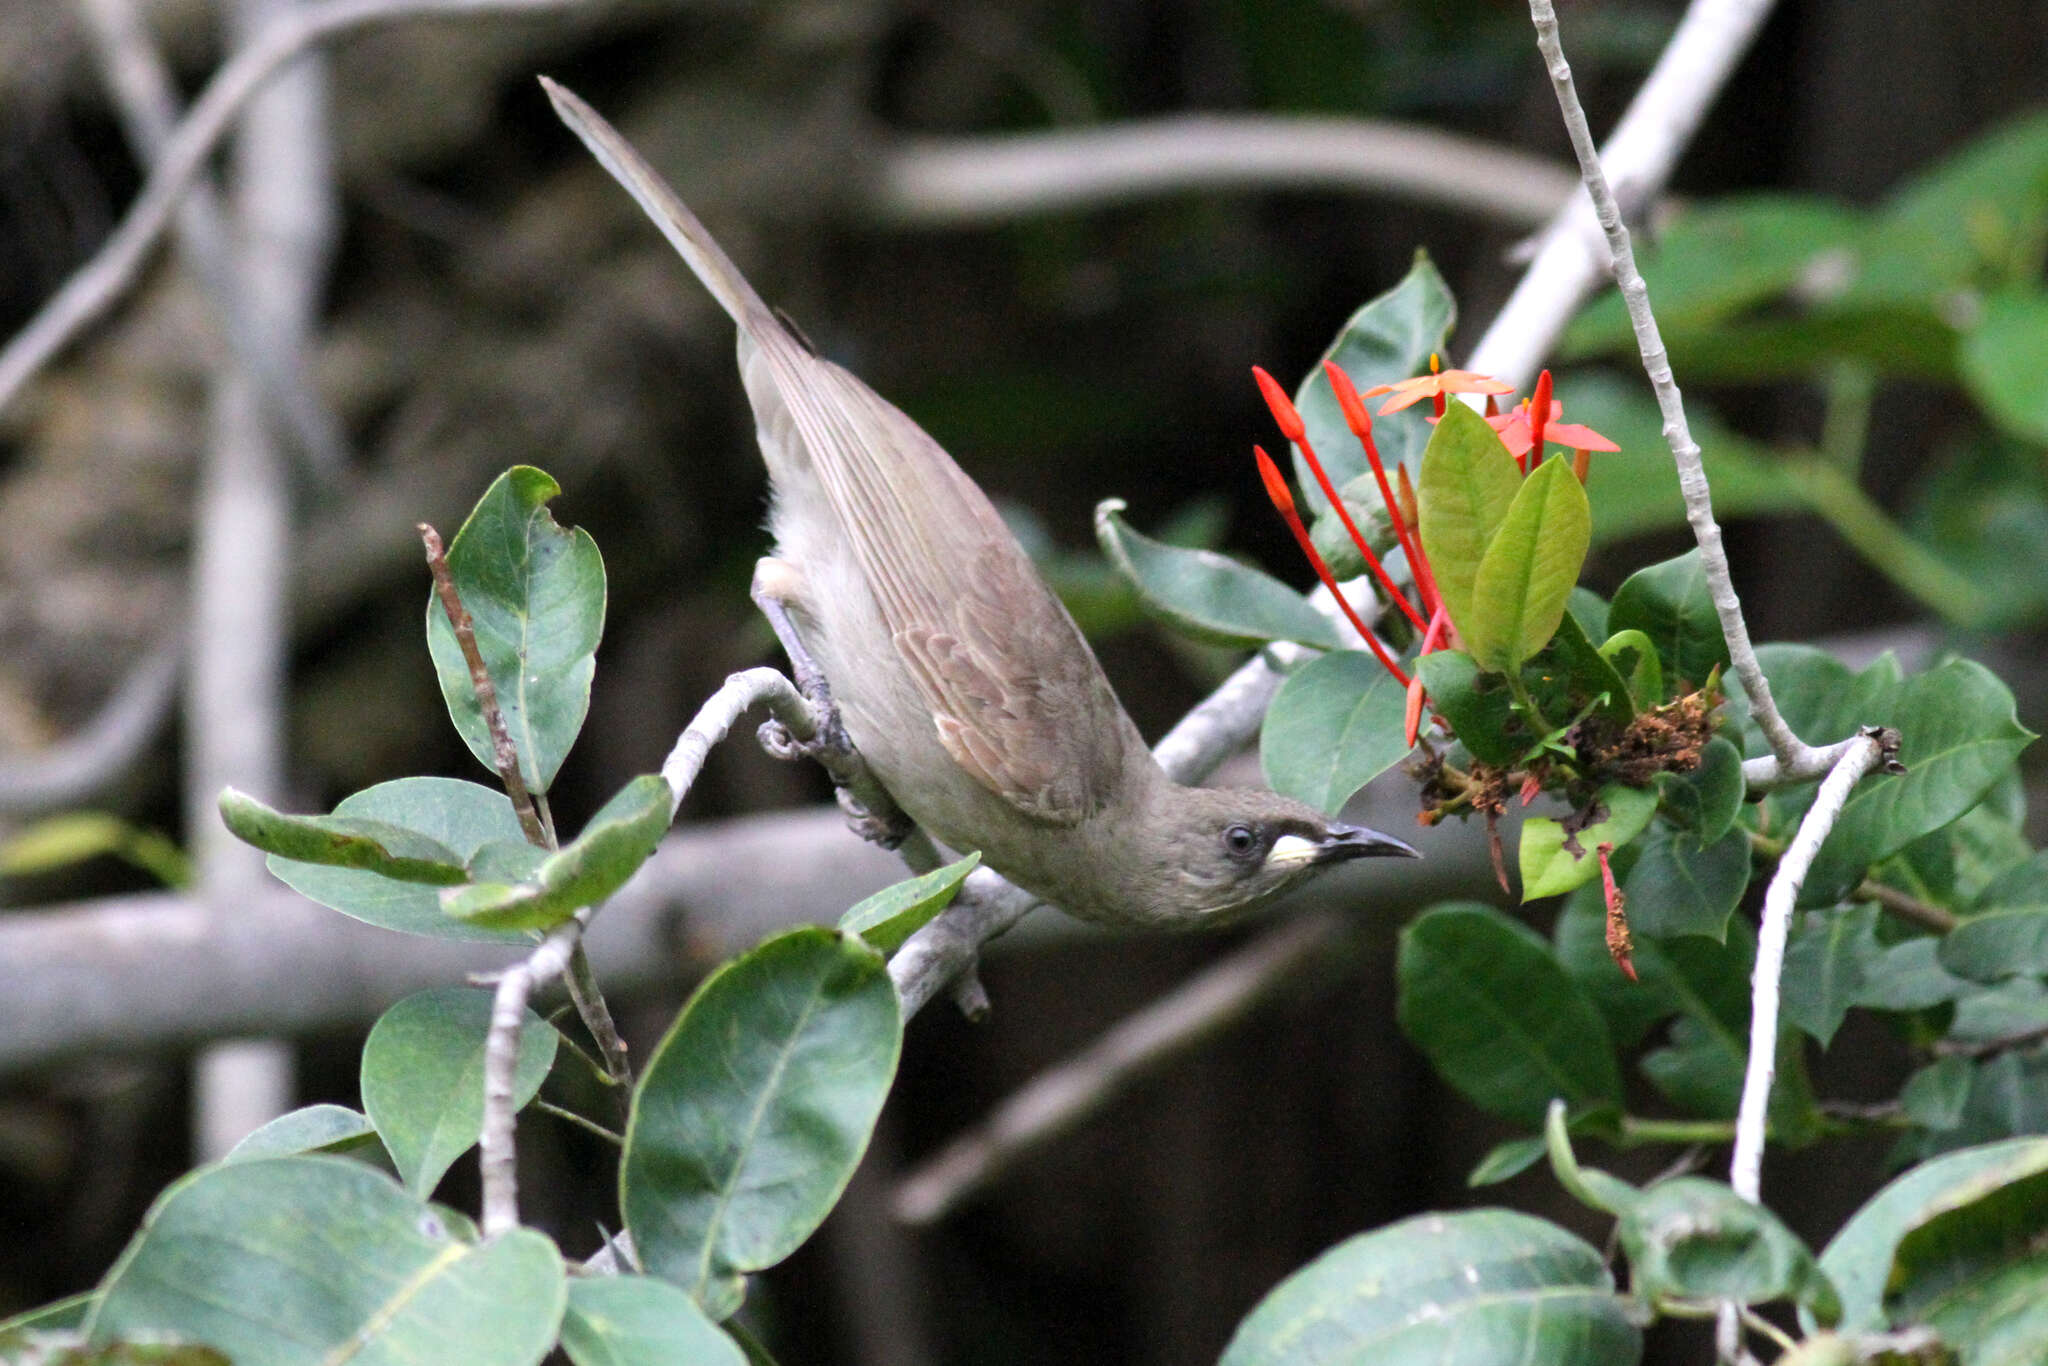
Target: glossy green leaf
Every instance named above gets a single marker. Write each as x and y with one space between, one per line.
1506 1160
1935 1096
1975 1269
2018 1005
1388 340
536 593
641 1321
2004 360
1529 569
1694 1241
1859 1258
1959 736
423 1077
460 817
895 913
338 841
1554 860
1630 654
1206 595
67 1315
1479 706
315 1128
299 1259
1678 886
1830 956
756 1107
1693 976
1337 723
1467 484
1481 995
1468 1289
2004 943
1590 677
1672 605
598 862
50 844
1909 976
1706 800
2006 1096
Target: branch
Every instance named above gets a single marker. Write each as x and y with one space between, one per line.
1639 155
944 182
1790 751
1869 750
114 267
496 1156
1056 1102
72 771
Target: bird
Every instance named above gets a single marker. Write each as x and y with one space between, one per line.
956 673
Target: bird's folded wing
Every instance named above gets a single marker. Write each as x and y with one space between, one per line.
1015 694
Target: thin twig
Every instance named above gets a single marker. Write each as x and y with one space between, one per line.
146 98
597 1018
949 181
568 1116
114 267
1745 1174
1985 1048
1789 750
1908 908
504 754
1056 1101
496 1155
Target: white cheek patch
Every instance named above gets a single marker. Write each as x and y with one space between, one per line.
1293 849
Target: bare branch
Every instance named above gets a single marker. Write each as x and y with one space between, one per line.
942 182
114 267
1639 156
1790 751
1056 1101
73 771
495 1153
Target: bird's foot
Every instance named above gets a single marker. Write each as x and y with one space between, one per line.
869 810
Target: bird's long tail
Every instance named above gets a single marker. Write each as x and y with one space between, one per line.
688 236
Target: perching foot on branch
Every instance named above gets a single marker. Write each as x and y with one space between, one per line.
869 808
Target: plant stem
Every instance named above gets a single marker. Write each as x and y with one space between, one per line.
1635 1129
1836 498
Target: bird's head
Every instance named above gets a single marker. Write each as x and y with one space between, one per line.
1201 855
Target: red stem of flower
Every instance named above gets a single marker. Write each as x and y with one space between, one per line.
1539 417
1582 464
1276 489
1295 430
1360 421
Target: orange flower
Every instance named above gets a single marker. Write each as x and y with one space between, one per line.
1434 386
1513 427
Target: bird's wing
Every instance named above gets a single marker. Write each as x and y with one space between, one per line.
1015 694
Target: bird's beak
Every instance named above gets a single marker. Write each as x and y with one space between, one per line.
1342 842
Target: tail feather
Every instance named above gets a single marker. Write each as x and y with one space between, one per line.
688 236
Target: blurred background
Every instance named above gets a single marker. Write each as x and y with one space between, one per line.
209 571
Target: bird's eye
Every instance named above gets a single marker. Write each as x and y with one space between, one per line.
1240 841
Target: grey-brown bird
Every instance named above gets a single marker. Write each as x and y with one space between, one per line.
958 675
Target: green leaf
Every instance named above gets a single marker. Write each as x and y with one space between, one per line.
1479 706
598 862
316 1128
1909 976
1589 674
1506 1160
1468 483
1672 605
1466 1289
1528 570
536 593
1677 885
1859 1258
1481 995
1631 655
1973 1267
1707 800
1935 1096
70 838
338 841
1337 723
1206 595
2011 942
67 1315
297 1259
2005 363
423 1078
1588 609
1692 1240
756 1108
895 913
1388 340
461 817
1554 860
1959 736
1832 954
640 1321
